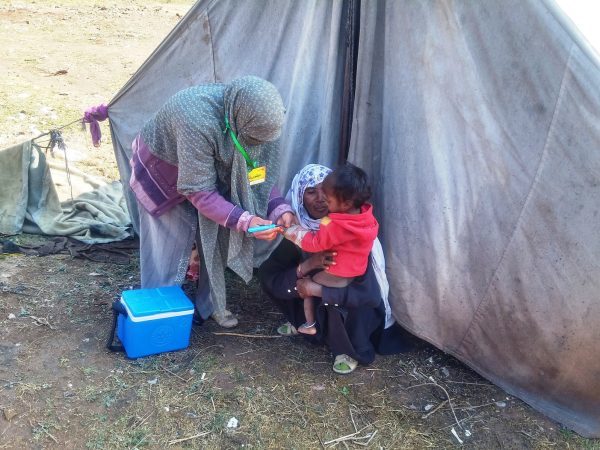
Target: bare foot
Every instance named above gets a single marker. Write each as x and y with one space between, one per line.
308 328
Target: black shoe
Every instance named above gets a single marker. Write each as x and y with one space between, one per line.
197 319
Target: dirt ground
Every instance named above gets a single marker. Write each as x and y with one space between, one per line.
60 388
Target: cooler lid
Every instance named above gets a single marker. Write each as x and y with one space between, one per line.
149 302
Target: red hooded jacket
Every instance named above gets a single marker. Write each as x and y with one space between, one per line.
350 235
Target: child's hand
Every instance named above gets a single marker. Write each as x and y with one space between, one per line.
291 232
287 219
321 260
295 233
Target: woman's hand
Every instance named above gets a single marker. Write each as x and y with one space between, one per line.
267 235
321 260
308 288
287 219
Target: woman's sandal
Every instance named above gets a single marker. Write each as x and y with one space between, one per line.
225 319
287 329
308 328
343 364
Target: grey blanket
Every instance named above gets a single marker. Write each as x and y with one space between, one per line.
29 202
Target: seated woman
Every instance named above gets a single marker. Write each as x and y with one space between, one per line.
355 322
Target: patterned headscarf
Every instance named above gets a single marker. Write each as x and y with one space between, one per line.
254 109
310 176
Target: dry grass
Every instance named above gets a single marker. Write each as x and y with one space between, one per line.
71 55
68 392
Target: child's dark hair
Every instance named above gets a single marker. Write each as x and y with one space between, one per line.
349 183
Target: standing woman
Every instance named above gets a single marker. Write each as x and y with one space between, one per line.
204 169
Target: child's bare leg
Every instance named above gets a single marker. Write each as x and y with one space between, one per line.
309 313
326 279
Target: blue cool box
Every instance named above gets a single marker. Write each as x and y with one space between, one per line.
158 320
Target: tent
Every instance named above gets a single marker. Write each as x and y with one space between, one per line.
479 124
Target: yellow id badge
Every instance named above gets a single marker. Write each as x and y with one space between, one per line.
258 175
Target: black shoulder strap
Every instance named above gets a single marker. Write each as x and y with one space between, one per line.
117 308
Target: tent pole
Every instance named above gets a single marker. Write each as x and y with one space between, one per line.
351 35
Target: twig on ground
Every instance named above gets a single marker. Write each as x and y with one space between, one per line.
460 441
434 409
348 437
177 441
48 433
433 383
247 335
460 421
320 441
365 444
366 436
143 420
40 321
340 439
243 353
175 375
477 406
466 382
378 392
206 348
526 434
352 418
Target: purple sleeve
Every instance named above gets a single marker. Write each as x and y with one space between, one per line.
212 205
277 205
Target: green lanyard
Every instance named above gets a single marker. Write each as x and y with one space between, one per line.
249 161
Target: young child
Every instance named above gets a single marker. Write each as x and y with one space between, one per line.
349 229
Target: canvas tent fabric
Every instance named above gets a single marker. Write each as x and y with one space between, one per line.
218 41
478 124
484 121
30 203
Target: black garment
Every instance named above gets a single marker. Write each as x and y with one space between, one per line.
112 252
350 320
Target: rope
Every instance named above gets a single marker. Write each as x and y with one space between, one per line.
57 129
56 140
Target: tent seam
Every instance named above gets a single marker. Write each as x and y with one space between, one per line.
212 47
525 203
168 38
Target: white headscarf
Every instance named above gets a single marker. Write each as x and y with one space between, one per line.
310 176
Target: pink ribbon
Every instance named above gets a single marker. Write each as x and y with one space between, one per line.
92 115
